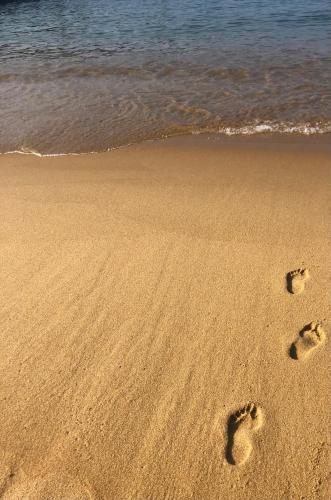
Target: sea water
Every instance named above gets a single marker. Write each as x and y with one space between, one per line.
89 75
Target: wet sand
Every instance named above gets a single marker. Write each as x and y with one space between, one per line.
153 344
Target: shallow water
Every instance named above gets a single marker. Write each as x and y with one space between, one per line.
94 74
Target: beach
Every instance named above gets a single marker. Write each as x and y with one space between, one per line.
151 344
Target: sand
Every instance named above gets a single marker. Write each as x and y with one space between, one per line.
153 345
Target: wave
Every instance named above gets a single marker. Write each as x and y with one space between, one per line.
33 152
266 128
155 70
280 128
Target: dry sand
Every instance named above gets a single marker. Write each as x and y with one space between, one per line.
151 345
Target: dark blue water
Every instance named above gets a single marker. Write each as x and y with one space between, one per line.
87 75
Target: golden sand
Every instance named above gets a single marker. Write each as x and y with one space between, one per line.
153 344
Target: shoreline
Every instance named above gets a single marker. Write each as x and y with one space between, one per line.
258 139
144 303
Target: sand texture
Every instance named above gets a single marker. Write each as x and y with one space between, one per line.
165 323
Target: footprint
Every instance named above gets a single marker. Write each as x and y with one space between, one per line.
296 280
310 337
241 426
7 475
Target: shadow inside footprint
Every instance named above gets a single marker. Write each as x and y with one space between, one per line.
232 427
293 351
289 282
